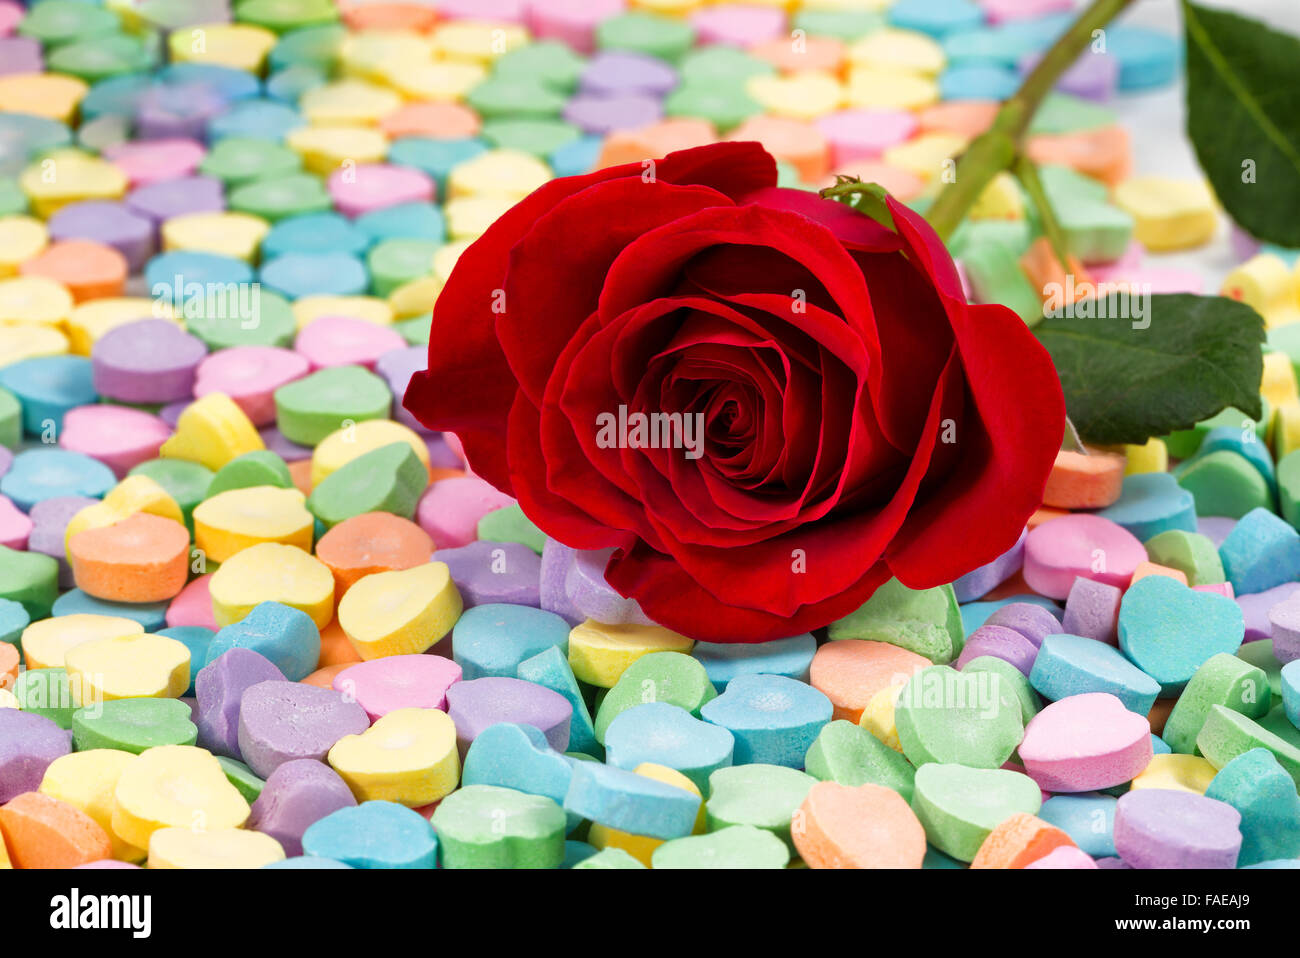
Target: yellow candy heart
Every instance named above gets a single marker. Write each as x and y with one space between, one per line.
325 148
127 667
238 45
91 320
408 756
87 780
212 431
348 103
236 519
177 786
342 446
270 572
238 235
1169 214
444 261
900 50
446 81
802 96
46 642
878 716
641 847
70 176
1279 383
34 299
373 53
21 238
1181 773
468 217
870 88
600 653
133 495
416 297
1152 456
50 95
221 848
508 173
1266 284
400 613
21 341
925 155
477 41
370 308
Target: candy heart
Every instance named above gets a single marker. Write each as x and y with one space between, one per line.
1086 742
763 796
959 806
218 848
133 725
493 639
45 643
517 756
133 494
212 431
309 409
409 756
396 682
948 716
1168 630
28 744
219 687
740 846
229 522
270 572
864 827
174 786
478 704
283 721
1152 503
401 612
924 621
297 795
387 479
86 780
483 826
774 719
128 666
850 755
1163 828
374 835
284 635
668 735
670 677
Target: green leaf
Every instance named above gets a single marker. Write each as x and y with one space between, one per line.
866 198
1197 356
1243 117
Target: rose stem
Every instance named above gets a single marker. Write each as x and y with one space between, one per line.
996 149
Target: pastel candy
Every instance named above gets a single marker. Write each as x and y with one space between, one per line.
270 572
1223 680
944 715
250 375
408 756
133 725
43 832
958 806
451 509
1264 794
1191 553
774 719
550 669
850 755
669 677
725 661
127 666
1000 642
925 621
757 795
272 729
1227 734
979 582
1160 828
668 735
30 579
39 474
590 594
260 468
230 521
85 780
1088 818
401 612
484 826
283 635
1073 665
28 744
219 687
1085 742
475 705
212 431
1261 552
370 543
518 757
737 846
120 438
621 799
142 558
373 835
494 572
396 682
309 409
1168 630
851 671
1152 503
493 639
599 653
174 786
1080 545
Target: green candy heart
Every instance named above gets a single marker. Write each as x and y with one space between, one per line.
762 796
848 754
925 621
740 846
242 777
309 409
387 479
511 525
1260 654
671 677
1014 682
609 858
260 468
1190 553
285 15
948 716
31 578
1227 734
186 482
1224 680
484 826
958 806
279 197
547 63
45 692
133 725
1224 483
239 317
236 160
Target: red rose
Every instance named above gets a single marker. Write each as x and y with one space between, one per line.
859 419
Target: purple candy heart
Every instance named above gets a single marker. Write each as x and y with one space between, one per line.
556 560
220 687
168 198
112 224
595 598
486 572
979 582
605 114
50 518
283 721
149 361
1032 621
1092 610
613 72
297 795
476 704
1164 828
397 367
28 744
1001 643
